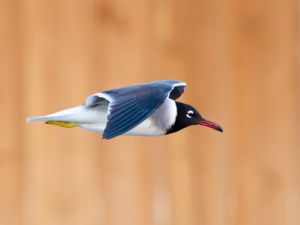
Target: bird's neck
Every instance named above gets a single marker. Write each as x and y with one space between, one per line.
179 123
174 128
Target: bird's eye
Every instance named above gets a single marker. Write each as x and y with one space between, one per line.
190 114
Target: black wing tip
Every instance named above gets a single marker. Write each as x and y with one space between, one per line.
107 136
177 91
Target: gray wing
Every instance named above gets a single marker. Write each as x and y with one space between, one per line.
131 105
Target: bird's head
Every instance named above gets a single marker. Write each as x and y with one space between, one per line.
187 115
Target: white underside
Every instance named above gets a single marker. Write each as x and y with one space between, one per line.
95 119
159 122
155 125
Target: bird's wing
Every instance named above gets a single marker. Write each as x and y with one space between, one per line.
131 105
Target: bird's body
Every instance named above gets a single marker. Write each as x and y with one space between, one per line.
147 109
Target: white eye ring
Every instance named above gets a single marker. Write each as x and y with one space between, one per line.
189 114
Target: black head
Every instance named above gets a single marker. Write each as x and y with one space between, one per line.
187 116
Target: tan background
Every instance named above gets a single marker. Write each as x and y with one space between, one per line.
241 62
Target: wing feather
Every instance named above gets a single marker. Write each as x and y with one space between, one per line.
131 105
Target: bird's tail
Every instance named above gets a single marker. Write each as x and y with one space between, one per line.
66 118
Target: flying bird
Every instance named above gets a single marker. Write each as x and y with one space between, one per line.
146 109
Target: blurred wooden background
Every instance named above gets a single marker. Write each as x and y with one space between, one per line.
241 62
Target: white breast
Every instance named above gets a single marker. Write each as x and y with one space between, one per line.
159 122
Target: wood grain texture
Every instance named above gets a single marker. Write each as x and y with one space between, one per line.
241 62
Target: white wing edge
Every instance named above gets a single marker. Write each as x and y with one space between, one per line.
107 97
91 98
179 84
